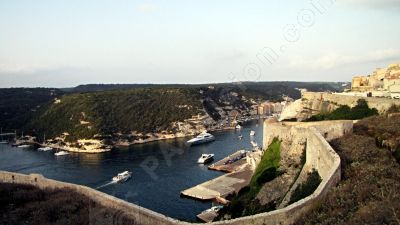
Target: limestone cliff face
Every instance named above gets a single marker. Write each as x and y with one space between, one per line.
313 103
305 108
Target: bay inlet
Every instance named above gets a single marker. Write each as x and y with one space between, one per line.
161 169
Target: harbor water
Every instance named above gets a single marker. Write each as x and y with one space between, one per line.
161 170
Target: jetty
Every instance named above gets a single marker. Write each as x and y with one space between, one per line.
207 217
222 186
230 163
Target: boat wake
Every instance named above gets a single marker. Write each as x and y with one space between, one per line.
105 185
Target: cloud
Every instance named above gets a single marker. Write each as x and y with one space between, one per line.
147 7
339 60
372 4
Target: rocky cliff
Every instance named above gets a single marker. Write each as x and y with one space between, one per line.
313 103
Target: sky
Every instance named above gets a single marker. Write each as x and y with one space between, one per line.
64 43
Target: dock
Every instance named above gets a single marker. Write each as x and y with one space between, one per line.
230 163
207 217
222 186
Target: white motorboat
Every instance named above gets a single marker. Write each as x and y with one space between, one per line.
45 149
252 133
202 138
23 146
238 127
205 158
254 144
215 209
61 153
122 177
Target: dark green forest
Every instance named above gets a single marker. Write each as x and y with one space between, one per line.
120 111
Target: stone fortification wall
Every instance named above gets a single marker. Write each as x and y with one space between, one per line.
320 156
381 104
140 215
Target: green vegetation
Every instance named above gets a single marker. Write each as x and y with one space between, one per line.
19 105
123 111
26 204
245 203
267 170
307 188
369 190
361 110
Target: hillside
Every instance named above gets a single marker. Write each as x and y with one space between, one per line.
19 105
369 190
265 90
84 115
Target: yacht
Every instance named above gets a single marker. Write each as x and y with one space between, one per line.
45 149
122 177
61 153
202 138
205 158
252 133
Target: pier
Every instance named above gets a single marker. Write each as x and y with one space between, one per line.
207 217
230 163
222 186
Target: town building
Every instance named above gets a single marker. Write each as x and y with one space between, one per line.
382 82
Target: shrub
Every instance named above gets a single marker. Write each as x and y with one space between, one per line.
307 188
344 112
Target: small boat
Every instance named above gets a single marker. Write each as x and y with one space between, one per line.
240 137
61 153
254 144
205 158
215 209
122 177
23 146
238 127
252 133
202 138
45 149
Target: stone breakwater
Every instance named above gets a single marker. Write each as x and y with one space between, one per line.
320 156
313 103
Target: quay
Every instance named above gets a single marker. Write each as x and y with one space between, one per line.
222 186
230 163
207 217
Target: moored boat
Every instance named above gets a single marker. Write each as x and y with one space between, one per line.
23 146
252 133
45 149
202 138
205 158
61 153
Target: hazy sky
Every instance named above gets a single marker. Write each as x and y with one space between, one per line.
62 43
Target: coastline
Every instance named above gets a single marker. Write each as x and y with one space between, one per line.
153 138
